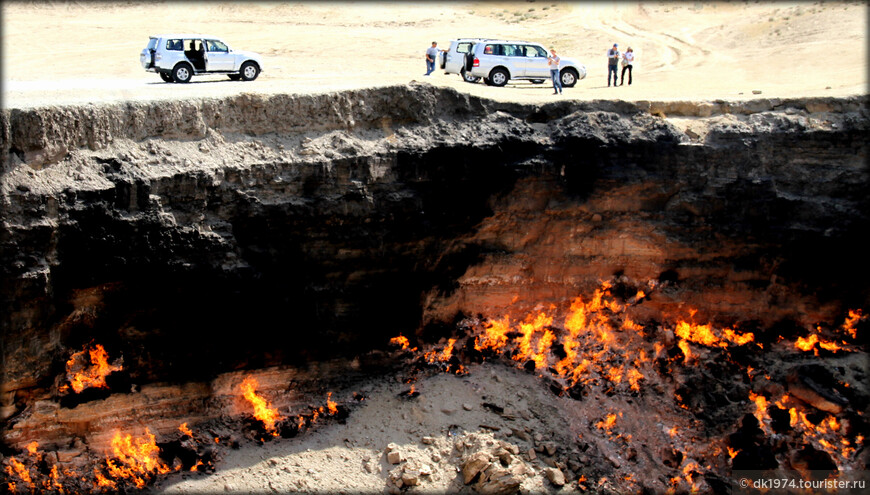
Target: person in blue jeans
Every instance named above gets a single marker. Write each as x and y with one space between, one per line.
431 58
612 64
553 62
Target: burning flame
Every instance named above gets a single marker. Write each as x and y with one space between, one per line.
760 407
331 406
185 430
700 334
400 341
263 411
134 459
444 356
809 343
596 332
89 368
607 423
704 334
17 468
494 334
850 326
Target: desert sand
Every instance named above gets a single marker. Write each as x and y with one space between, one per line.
79 52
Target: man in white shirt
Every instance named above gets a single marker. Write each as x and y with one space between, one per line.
431 57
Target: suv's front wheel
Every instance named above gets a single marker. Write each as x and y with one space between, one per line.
182 73
249 71
499 77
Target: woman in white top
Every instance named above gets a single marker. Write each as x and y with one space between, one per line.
627 61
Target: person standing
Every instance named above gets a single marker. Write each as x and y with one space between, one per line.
612 63
553 61
431 57
627 61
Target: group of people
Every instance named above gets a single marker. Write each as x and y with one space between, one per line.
613 58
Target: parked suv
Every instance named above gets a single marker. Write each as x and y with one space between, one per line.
458 56
498 62
178 57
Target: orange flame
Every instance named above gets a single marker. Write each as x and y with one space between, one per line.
135 459
263 411
185 430
494 336
607 423
809 343
434 356
332 406
104 482
528 330
89 368
634 378
53 482
687 352
739 339
700 334
850 326
17 468
760 407
400 341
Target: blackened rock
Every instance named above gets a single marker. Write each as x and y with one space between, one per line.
576 391
816 386
754 458
780 420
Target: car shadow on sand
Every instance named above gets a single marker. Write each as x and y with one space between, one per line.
209 81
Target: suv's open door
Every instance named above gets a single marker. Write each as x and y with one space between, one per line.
454 59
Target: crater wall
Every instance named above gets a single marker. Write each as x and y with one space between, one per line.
204 236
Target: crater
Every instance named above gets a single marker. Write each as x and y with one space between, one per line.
292 237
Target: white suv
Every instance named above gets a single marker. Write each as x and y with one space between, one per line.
178 57
498 62
458 56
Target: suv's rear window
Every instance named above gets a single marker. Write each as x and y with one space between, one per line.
152 44
493 50
463 47
174 45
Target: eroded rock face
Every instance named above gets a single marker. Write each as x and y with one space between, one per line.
199 237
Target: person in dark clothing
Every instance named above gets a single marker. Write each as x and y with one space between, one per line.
612 63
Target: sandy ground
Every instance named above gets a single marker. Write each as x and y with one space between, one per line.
78 52
452 418
351 458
